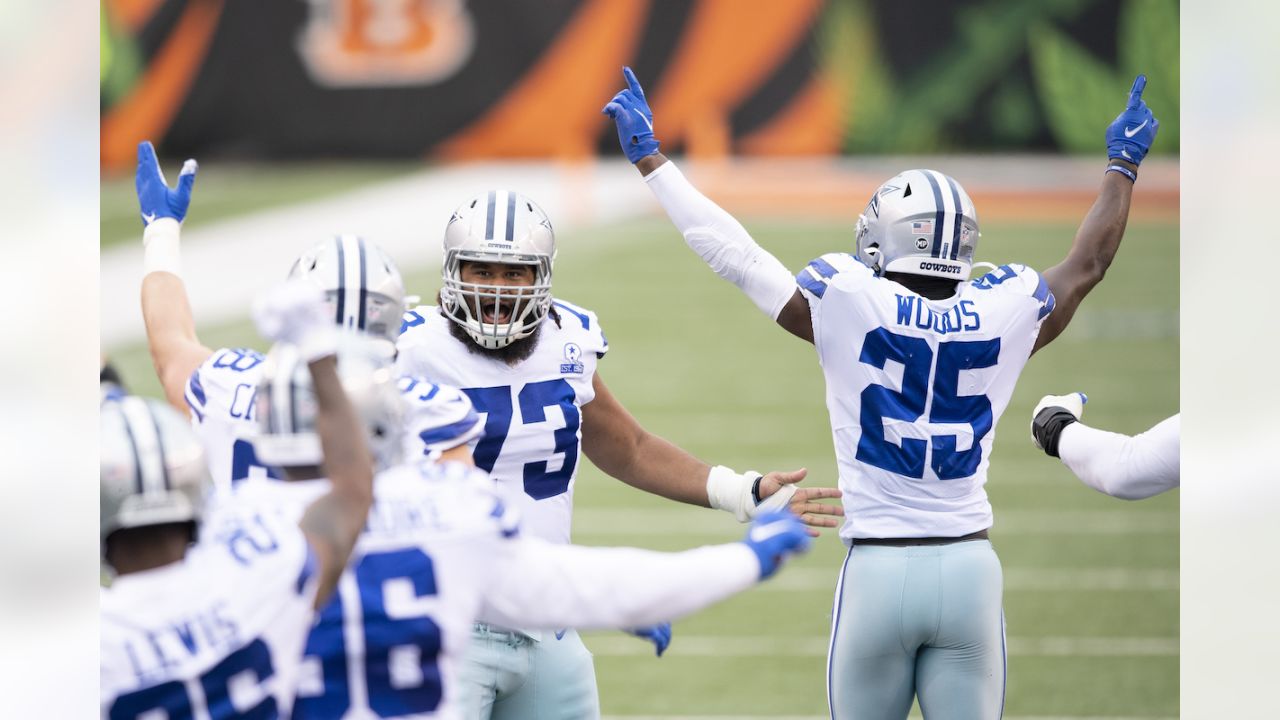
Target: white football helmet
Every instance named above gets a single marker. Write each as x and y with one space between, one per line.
362 286
153 470
287 408
920 222
498 227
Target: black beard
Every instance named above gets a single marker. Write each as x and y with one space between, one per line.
517 351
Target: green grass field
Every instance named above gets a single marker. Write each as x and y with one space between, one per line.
1091 582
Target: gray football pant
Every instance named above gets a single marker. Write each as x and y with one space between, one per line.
507 676
923 621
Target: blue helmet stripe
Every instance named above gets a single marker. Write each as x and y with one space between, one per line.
342 281
488 223
955 232
939 216
364 280
511 216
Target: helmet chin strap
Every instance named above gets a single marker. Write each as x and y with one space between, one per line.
985 265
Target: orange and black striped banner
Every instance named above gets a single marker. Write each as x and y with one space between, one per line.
461 79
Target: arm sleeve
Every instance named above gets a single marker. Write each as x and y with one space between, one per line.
722 242
1126 467
538 584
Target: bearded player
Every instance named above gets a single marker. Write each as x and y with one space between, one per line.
528 361
443 548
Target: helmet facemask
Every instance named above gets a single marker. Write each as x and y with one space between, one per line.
495 316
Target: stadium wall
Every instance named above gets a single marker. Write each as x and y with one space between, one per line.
452 79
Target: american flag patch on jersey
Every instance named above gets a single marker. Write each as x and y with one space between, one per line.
924 227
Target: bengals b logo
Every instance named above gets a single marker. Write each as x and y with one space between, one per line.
381 43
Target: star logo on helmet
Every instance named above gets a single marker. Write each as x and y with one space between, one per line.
456 216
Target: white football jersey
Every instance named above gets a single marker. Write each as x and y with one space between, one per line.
532 411
443 549
220 395
915 388
218 635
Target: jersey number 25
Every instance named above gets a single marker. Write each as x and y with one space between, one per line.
881 404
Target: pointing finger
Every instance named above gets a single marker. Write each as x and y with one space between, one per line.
633 83
1135 93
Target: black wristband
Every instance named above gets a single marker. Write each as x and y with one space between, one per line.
755 489
1047 427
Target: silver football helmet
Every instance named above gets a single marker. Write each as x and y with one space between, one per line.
498 227
362 286
153 467
920 222
287 408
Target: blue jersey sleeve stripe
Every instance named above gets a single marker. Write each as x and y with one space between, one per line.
1042 289
823 268
195 388
582 317
452 434
807 281
1047 307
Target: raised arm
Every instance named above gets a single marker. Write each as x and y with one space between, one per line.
617 444
537 584
1129 137
176 352
294 313
720 240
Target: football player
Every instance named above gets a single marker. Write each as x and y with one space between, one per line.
363 290
216 631
1123 466
529 363
442 549
919 364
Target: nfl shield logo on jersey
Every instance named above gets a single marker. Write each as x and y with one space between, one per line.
573 359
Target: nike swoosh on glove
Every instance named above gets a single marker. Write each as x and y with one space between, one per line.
1130 135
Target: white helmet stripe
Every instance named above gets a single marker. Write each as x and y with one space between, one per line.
148 451
940 216
500 212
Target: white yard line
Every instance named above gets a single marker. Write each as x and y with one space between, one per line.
770 646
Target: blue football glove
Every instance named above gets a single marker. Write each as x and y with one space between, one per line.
1130 135
155 198
659 635
631 112
774 536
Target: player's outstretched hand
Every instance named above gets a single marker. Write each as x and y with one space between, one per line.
156 199
630 112
659 635
1130 135
778 490
1051 415
775 536
294 312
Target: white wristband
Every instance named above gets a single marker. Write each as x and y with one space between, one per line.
731 492
160 247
